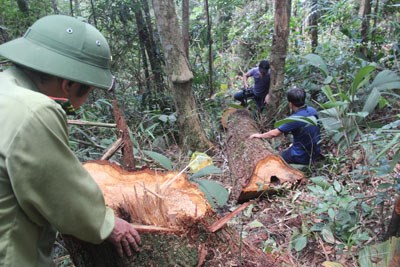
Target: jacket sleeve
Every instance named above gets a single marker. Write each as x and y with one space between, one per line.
49 182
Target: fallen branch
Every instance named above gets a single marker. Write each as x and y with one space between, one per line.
221 222
111 151
92 123
152 229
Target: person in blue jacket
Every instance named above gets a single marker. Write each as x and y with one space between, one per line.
305 148
260 90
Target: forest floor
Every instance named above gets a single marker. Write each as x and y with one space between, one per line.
272 221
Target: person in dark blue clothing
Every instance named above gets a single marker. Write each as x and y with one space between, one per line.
260 90
305 148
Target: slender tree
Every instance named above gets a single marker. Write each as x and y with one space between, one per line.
210 42
365 13
192 135
53 4
71 7
185 25
279 51
313 24
151 45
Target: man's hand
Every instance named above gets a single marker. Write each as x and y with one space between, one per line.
267 99
255 136
124 237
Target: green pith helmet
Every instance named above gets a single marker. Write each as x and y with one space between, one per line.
65 47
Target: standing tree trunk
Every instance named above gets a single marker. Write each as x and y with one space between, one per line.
278 52
145 31
365 13
375 21
93 13
77 6
191 132
210 41
185 26
313 24
53 4
71 8
23 6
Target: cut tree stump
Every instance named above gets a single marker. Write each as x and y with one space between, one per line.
175 223
254 165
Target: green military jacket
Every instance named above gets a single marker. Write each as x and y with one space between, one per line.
43 186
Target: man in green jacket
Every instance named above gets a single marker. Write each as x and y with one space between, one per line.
43 186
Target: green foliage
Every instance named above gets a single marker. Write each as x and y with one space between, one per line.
338 212
215 193
381 254
347 109
161 159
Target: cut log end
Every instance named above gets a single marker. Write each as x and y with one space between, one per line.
269 173
139 194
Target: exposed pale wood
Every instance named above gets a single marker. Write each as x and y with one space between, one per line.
92 123
180 200
184 210
152 229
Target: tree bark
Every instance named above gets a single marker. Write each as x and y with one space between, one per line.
23 6
313 24
192 135
54 6
278 52
210 42
365 13
254 165
185 26
145 33
182 209
127 148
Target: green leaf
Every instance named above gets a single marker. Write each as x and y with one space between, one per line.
300 243
316 61
255 224
160 159
386 80
328 80
331 213
216 194
362 76
381 254
389 146
385 186
207 170
328 236
321 181
372 100
337 186
308 120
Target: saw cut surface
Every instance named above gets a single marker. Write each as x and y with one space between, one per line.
141 189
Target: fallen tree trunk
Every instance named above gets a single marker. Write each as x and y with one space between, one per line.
254 165
179 217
